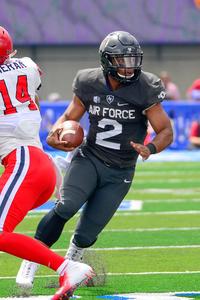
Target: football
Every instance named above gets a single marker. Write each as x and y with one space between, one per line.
71 132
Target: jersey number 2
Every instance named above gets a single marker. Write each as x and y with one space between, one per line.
102 136
22 95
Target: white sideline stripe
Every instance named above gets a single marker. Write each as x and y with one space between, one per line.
172 180
170 201
173 191
125 213
137 248
150 229
166 200
135 205
146 173
132 248
131 230
117 214
116 274
178 212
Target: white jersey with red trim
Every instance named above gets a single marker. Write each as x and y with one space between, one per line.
20 118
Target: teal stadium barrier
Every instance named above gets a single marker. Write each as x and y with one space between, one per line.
181 113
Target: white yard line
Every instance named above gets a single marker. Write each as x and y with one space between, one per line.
178 212
133 248
116 274
172 180
125 213
130 230
138 248
174 191
146 173
177 200
151 229
170 200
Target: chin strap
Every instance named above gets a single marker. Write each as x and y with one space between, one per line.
125 76
12 54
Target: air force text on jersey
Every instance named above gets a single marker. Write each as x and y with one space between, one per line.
114 113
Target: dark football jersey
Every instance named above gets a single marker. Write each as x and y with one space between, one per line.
116 117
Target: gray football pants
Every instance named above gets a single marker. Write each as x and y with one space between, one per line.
99 188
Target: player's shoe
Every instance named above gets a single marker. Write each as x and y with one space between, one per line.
75 274
74 253
26 273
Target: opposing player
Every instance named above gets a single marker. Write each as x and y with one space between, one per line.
120 98
24 184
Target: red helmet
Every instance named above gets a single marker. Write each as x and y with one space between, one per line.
6 45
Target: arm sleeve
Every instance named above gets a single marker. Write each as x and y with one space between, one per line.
36 72
37 77
81 86
156 93
77 86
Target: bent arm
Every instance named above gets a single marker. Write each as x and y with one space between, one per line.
161 124
195 141
74 111
37 100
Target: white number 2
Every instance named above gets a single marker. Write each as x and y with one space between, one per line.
102 136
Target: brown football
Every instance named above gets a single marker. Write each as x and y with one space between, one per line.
72 132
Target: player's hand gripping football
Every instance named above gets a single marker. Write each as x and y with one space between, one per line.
143 151
54 141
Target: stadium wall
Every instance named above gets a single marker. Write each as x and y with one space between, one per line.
60 64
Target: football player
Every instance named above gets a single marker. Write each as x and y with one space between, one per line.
120 99
24 183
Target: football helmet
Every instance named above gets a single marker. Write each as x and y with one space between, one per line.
6 45
121 56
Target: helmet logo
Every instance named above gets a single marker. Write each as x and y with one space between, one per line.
96 99
129 50
110 98
162 95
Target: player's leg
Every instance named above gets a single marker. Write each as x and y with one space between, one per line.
77 188
72 273
100 208
96 214
24 184
27 270
17 183
19 186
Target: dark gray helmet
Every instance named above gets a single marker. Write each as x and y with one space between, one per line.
118 50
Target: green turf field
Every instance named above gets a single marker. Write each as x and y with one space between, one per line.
156 249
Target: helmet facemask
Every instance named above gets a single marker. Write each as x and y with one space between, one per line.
124 68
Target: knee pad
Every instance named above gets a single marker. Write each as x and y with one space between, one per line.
66 209
82 241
